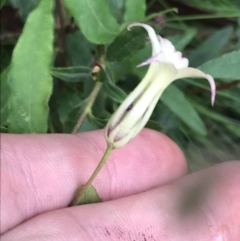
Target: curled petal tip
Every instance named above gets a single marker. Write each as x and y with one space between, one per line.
156 45
140 65
129 27
212 100
132 25
213 88
148 61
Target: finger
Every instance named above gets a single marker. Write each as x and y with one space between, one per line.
41 172
202 206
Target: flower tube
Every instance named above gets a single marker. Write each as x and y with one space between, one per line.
166 66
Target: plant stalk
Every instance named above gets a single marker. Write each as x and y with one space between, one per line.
93 176
92 97
90 100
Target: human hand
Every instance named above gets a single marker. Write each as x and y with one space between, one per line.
146 192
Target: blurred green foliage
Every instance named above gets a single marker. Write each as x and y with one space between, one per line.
46 68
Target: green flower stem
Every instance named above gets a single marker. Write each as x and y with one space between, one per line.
88 106
79 194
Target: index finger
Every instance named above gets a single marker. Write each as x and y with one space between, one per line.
41 172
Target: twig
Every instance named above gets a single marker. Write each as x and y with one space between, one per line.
88 106
92 97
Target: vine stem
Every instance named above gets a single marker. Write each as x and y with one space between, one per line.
88 106
83 189
93 95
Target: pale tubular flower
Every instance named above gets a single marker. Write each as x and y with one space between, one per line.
166 65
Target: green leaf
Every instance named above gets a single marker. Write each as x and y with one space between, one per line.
181 41
135 10
73 117
114 92
2 2
54 122
117 9
167 119
100 76
30 82
175 100
90 196
228 121
205 85
4 96
88 86
224 67
119 70
3 129
5 57
238 37
154 125
212 47
90 122
25 7
94 19
118 4
66 99
71 74
100 123
79 49
89 125
138 58
126 45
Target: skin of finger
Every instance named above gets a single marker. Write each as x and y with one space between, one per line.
41 172
201 206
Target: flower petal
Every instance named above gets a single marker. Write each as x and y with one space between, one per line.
183 63
177 59
213 87
191 72
168 47
156 45
159 57
136 109
173 58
